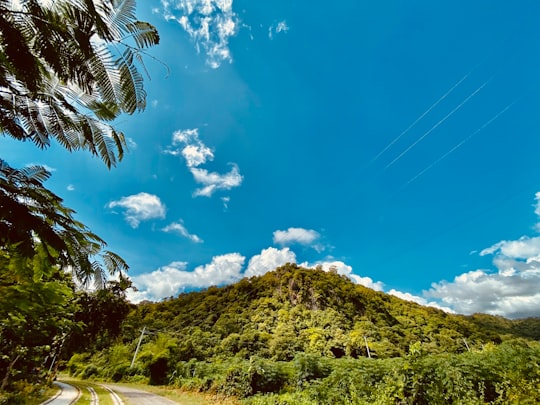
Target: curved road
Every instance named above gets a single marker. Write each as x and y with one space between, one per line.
68 395
132 396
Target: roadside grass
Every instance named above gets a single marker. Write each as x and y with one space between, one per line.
30 396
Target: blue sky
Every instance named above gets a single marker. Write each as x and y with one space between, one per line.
396 141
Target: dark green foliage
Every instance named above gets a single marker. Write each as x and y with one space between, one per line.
99 315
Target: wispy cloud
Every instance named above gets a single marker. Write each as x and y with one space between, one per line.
213 181
140 207
70 187
179 228
187 143
209 23
278 28
131 144
301 236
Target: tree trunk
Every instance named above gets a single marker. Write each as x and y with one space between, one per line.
8 372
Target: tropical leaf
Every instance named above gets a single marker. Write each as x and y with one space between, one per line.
68 66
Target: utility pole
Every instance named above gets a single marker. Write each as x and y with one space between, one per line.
138 346
367 347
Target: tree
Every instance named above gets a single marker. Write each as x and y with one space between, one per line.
35 308
68 68
31 216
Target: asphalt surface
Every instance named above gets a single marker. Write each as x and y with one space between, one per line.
68 395
132 396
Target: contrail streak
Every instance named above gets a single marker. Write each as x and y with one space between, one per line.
460 144
434 127
421 116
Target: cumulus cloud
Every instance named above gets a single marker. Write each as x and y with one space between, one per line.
140 207
209 23
296 235
179 228
278 28
268 260
188 144
511 290
172 279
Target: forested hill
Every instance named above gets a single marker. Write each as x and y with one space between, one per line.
294 309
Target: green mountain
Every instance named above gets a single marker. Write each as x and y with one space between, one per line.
294 309
305 336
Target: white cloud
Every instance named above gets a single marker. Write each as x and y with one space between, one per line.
513 294
512 290
226 201
296 235
196 153
346 270
170 280
70 187
522 248
131 144
194 150
209 23
178 227
419 300
268 260
140 207
213 181
280 27
367 282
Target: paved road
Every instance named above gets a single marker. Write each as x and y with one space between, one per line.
137 397
68 395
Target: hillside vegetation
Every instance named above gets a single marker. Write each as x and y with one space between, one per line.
300 335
